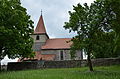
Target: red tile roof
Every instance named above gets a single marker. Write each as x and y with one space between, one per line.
58 43
40 29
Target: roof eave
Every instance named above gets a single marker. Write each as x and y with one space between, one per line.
56 49
41 34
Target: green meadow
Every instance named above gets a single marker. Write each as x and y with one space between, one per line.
108 72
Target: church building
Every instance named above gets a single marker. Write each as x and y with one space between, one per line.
55 49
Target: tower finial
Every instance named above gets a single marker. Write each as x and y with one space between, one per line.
40 29
41 11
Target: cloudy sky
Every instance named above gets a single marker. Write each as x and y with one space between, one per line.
55 13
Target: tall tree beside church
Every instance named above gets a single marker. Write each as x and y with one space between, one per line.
15 30
92 24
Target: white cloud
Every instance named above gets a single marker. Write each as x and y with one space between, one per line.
55 13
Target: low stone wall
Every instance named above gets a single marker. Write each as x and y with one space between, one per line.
3 67
61 64
24 65
65 64
0 67
105 61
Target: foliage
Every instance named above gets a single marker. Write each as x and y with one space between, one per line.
97 28
114 6
15 30
104 46
111 72
110 19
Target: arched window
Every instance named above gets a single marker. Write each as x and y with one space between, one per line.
37 37
61 55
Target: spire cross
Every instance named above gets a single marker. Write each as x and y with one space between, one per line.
41 11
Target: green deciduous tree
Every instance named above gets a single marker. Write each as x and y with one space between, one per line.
15 30
104 46
95 29
113 7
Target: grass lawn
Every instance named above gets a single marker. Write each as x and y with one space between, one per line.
111 72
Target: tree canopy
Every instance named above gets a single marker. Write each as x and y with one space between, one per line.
15 29
97 28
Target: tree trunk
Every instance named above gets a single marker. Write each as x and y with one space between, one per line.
0 64
0 56
89 62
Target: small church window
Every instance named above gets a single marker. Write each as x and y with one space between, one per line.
61 55
37 37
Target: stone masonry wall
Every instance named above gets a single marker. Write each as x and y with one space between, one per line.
24 65
61 64
105 61
64 64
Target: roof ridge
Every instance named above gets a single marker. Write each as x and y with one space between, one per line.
60 38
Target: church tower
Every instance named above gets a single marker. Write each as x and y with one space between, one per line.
40 35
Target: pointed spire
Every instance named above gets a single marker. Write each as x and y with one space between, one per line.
40 29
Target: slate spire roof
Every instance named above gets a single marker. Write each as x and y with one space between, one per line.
40 29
